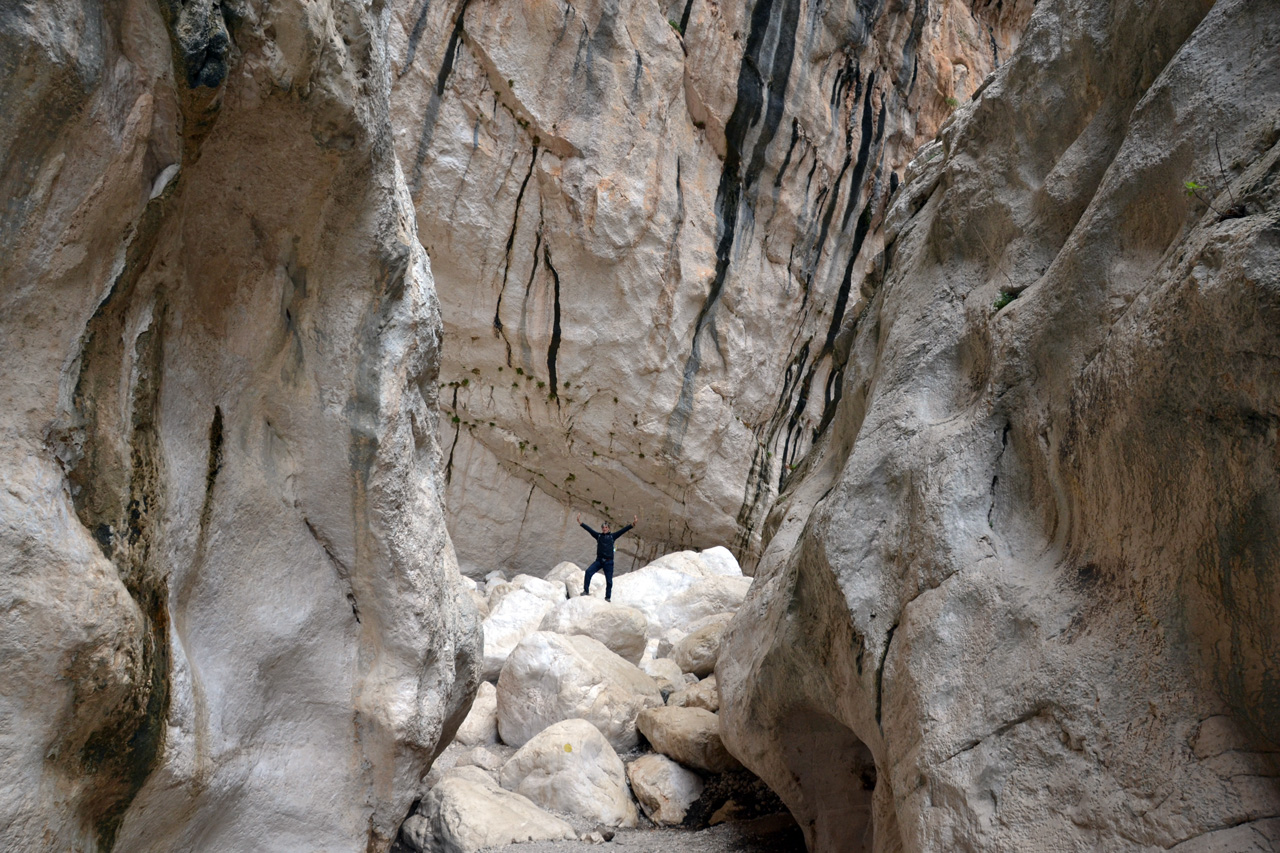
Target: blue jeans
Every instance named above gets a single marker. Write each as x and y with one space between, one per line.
607 566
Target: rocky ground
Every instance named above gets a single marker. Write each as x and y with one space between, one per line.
774 834
598 722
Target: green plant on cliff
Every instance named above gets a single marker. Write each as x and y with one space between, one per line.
1005 297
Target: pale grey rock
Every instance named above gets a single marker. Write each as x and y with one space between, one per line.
515 615
665 645
698 651
707 597
1023 568
720 561
481 725
703 694
573 577
551 590
622 629
648 589
685 562
664 789
486 759
665 672
468 812
569 767
230 601
479 601
549 678
689 735
494 590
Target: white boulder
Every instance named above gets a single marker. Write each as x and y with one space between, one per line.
619 627
570 767
685 562
549 678
664 788
551 590
517 613
703 598
698 651
720 561
481 725
666 672
468 812
648 590
690 736
571 575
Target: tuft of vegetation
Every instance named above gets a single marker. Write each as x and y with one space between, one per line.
953 103
1005 297
675 25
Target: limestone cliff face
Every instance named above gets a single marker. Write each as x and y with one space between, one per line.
230 615
1023 593
648 222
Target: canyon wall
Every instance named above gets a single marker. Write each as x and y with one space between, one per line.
1023 593
648 223
231 608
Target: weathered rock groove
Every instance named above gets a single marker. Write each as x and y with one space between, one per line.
1029 569
232 618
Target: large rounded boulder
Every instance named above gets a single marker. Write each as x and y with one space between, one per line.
549 678
620 628
570 767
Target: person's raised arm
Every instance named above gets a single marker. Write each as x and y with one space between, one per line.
588 529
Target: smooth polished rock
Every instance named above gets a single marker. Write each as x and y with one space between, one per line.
705 598
569 767
622 629
549 678
468 812
517 614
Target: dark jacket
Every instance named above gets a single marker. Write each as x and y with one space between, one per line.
604 541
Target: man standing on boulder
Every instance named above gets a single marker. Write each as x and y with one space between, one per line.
604 555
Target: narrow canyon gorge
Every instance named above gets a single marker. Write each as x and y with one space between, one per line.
934 343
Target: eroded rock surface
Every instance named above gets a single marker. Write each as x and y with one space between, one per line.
231 606
1022 594
648 221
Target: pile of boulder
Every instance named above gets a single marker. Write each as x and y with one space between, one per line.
593 715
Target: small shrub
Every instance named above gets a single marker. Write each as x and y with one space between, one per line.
1005 297
953 103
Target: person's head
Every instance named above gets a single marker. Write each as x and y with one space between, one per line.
605 527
